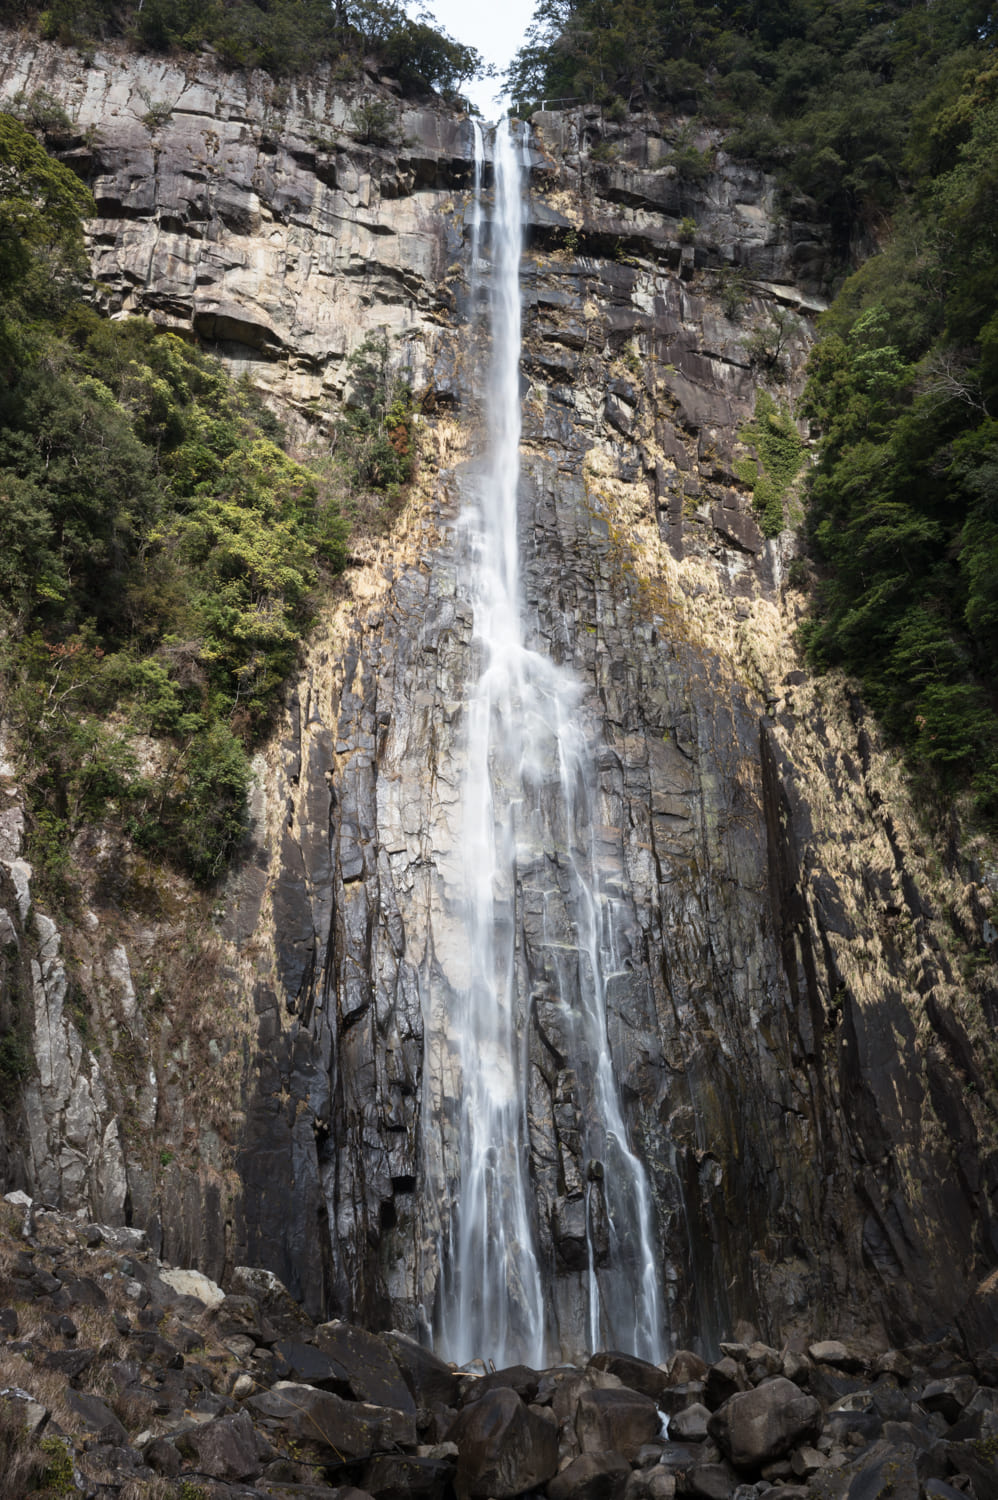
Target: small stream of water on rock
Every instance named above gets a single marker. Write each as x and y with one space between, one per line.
531 817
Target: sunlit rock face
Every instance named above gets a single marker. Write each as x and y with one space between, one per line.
802 1069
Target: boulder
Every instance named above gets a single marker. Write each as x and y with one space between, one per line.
188 1283
635 1374
616 1421
229 1448
162 1457
676 1398
308 1365
712 1481
430 1381
882 1469
754 1427
96 1416
504 1448
723 1380
399 1476
974 1459
368 1365
32 1415
651 1484
593 1476
685 1366
347 1429
519 1378
948 1397
690 1424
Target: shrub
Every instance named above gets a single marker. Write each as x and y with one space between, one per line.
375 123
780 456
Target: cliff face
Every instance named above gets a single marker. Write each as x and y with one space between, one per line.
800 1018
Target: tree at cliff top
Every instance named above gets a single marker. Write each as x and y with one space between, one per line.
824 93
280 36
158 550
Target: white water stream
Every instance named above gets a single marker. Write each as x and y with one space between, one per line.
530 813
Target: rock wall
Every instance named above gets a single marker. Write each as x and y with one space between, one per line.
801 1023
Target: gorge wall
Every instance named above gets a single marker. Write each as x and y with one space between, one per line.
801 1020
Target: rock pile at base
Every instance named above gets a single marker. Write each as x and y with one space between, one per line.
122 1377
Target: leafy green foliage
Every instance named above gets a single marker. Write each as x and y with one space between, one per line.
825 93
376 432
280 36
158 553
375 123
780 456
41 239
904 507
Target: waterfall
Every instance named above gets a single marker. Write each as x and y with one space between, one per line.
530 814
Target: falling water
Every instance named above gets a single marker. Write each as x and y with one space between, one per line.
530 815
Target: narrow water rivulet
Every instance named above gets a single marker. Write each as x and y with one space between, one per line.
530 818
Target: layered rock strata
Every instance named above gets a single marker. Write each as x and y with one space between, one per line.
805 1067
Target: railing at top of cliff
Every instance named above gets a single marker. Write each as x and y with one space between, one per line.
530 814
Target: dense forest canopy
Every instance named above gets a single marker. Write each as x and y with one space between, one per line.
879 117
280 36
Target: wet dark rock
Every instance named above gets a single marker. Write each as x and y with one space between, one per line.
650 1484
722 1380
977 1460
308 1365
712 1481
676 1398
371 1368
839 1426
427 1377
616 1421
519 1378
638 1374
690 1424
592 1476
399 1476
949 1397
890 1400
757 1426
679 1458
881 1469
504 1448
937 1489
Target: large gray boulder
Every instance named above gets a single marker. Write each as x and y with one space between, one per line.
755 1427
504 1448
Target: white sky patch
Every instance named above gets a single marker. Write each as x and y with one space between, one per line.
495 27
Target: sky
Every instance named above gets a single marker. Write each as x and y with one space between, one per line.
495 27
